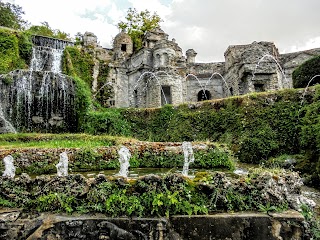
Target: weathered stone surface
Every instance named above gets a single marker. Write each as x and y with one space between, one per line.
142 77
233 226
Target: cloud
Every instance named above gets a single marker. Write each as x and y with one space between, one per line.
207 26
163 9
288 23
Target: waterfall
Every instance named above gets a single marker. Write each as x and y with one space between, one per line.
41 98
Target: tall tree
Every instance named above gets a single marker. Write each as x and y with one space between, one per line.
11 16
137 23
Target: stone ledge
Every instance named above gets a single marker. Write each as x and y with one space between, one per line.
235 226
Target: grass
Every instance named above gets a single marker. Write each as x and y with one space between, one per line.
28 140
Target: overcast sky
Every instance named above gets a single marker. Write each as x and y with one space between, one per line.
207 26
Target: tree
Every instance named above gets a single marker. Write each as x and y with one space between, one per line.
45 30
11 16
137 23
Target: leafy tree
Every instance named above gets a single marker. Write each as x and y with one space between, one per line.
11 16
45 30
137 23
305 72
78 38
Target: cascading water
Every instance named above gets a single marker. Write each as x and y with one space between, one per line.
188 157
124 157
42 98
5 126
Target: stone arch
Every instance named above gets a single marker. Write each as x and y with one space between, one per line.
204 95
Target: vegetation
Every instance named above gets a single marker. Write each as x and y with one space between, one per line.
78 63
91 153
27 140
137 24
45 30
11 16
256 127
302 75
15 50
146 196
104 90
312 220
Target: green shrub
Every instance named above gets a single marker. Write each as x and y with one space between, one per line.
305 72
110 121
83 103
78 63
15 50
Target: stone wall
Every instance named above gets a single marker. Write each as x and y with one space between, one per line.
247 68
236 226
291 61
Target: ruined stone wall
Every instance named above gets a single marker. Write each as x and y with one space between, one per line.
120 86
290 61
145 88
253 67
248 68
205 76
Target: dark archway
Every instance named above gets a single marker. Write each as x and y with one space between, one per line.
204 95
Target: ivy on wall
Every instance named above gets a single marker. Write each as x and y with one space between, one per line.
15 50
78 63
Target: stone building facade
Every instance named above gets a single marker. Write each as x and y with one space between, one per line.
160 73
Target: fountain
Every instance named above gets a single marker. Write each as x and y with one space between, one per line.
204 88
224 80
9 167
62 166
188 157
124 157
278 65
148 80
41 97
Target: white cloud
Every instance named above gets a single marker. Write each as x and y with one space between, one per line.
152 6
207 26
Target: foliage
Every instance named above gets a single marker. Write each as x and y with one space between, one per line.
91 153
11 16
147 196
137 24
45 30
78 38
255 127
305 72
15 50
313 221
109 121
78 63
83 103
309 137
104 89
39 140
